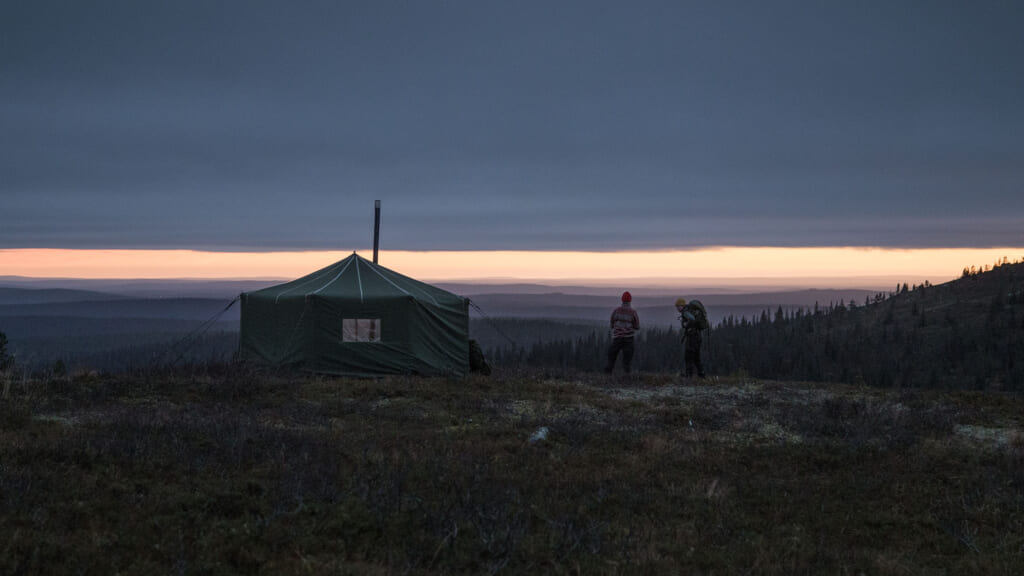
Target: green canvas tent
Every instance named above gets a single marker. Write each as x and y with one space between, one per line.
357 318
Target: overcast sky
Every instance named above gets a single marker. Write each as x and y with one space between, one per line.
544 125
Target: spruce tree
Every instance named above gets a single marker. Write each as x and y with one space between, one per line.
6 360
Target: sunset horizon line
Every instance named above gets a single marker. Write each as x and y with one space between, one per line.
720 265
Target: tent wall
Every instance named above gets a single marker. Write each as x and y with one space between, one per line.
278 333
416 337
442 334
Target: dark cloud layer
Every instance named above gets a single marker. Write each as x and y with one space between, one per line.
495 125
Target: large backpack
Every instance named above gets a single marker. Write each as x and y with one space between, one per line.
700 315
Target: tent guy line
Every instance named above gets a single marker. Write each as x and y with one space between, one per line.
195 334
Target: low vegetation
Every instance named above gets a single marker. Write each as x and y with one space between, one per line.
233 471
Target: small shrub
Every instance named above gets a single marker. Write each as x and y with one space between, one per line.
14 415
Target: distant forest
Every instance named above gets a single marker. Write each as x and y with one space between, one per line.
968 333
964 334
120 352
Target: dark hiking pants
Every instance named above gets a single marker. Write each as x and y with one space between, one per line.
691 354
626 346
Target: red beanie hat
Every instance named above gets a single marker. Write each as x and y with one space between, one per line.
627 297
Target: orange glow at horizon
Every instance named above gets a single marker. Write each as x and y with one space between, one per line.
719 263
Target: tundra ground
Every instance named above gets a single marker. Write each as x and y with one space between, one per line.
235 471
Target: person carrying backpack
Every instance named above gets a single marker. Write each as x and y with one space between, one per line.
693 320
624 324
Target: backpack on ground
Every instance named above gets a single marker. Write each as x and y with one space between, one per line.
477 361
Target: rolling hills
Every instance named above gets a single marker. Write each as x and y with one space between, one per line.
964 333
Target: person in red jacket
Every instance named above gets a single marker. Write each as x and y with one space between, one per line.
624 323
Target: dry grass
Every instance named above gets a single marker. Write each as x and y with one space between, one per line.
241 472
